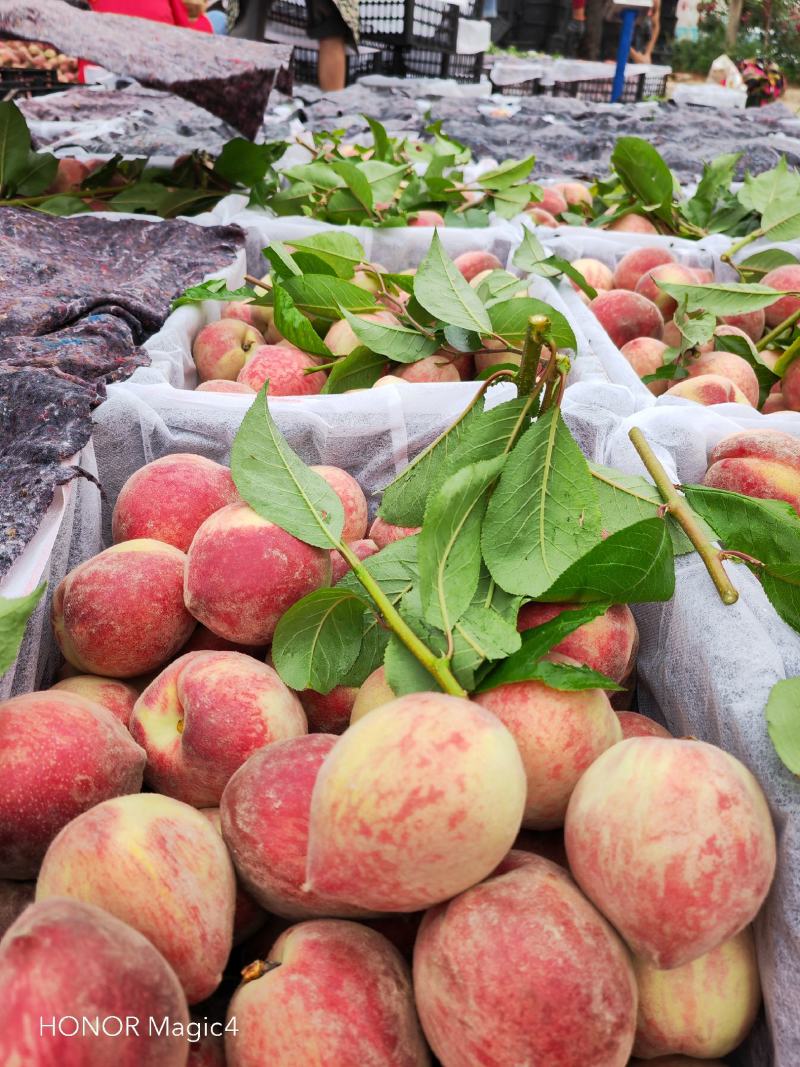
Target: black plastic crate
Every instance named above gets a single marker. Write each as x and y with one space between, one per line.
655 85
305 64
428 23
531 87
428 63
30 81
598 90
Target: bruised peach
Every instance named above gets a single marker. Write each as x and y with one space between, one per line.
111 693
383 533
353 500
289 371
625 316
221 348
673 841
364 547
607 644
730 366
169 498
636 263
374 692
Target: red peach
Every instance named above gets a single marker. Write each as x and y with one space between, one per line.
759 444
522 970
631 223
646 356
553 201
773 403
790 386
758 463
728 365
334 990
205 640
751 322
258 316
353 500
542 217
248 916
363 548
219 385
607 644
284 366
417 801
62 961
341 339
329 713
574 193
204 715
383 533
625 316
673 841
708 389
472 263
595 273
221 348
14 899
161 867
169 498
69 176
116 696
492 357
635 725
648 285
426 218
428 370
704 275
782 278
243 573
636 263
672 335
375 691
121 613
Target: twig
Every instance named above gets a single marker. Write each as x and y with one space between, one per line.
775 333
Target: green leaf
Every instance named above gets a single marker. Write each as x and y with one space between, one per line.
781 220
37 174
783 722
644 174
481 636
241 162
768 260
632 566
568 677
322 297
14 615
358 370
141 196
317 640
450 542
383 179
216 289
783 364
292 325
462 340
276 483
15 146
626 499
356 182
322 175
395 568
696 327
510 320
282 261
715 182
380 139
508 173
187 202
404 673
501 285
531 255
291 201
723 298
397 342
776 186
340 250
441 289
544 514
63 205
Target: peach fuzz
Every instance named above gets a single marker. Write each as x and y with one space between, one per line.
14 899
375 691
170 497
383 533
331 992
635 725
61 755
219 385
704 1008
607 644
328 713
426 218
364 547
704 275
243 573
625 316
636 263
731 366
471 263
63 958
285 367
673 841
631 223
248 916
521 969
353 500
121 613
558 734
340 338
260 317
111 693
204 715
750 322
782 278
646 356
265 814
648 285
790 386
159 866
542 217
553 201
221 348
417 801
708 389
595 273
574 193
758 463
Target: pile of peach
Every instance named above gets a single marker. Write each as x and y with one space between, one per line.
638 317
575 886
576 197
37 55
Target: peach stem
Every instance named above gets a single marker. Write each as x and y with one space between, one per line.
678 507
782 327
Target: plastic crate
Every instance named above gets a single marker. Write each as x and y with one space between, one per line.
305 64
428 23
29 81
598 90
531 87
655 85
428 63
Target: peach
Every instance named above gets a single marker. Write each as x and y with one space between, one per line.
260 317
574 193
221 348
375 691
204 715
771 445
417 801
595 273
522 970
607 644
329 713
205 640
704 275
646 356
364 547
70 175
472 263
673 841
724 330
340 338
704 1008
648 285
790 386
426 218
676 1061
353 500
773 403
728 365
383 533
635 725
492 357
61 755
64 961
111 693
161 867
169 498
14 899
631 223
708 389
265 813
542 217
331 992
672 336
243 573
782 278
759 463
218 385
750 322
428 370
558 734
636 263
625 316
121 613
553 201
248 916
284 367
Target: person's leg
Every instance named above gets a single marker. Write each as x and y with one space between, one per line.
332 72
326 25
